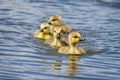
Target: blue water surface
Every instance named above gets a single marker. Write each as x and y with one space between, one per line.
22 57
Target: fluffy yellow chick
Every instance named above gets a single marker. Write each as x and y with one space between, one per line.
43 32
73 38
56 20
57 40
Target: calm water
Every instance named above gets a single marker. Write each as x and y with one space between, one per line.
23 57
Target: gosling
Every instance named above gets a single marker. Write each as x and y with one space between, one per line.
43 32
73 38
56 20
57 40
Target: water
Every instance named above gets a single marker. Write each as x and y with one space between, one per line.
23 57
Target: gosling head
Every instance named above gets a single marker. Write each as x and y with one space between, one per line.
44 27
75 37
58 32
55 20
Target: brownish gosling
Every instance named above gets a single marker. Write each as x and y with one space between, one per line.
73 38
43 32
56 20
57 40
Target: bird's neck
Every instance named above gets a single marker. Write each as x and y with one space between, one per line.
73 48
72 45
57 40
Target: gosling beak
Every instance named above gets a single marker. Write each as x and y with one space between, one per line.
58 35
82 39
49 23
41 30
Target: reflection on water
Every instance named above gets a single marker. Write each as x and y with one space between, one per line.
23 57
57 65
72 65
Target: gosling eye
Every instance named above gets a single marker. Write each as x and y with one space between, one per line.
54 20
45 28
75 36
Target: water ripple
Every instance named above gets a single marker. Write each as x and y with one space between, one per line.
22 57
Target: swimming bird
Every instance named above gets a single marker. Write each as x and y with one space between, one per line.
73 38
43 32
56 20
57 40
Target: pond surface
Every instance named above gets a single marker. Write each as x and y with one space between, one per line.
22 57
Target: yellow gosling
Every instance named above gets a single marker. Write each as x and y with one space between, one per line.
43 32
73 38
57 40
56 20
